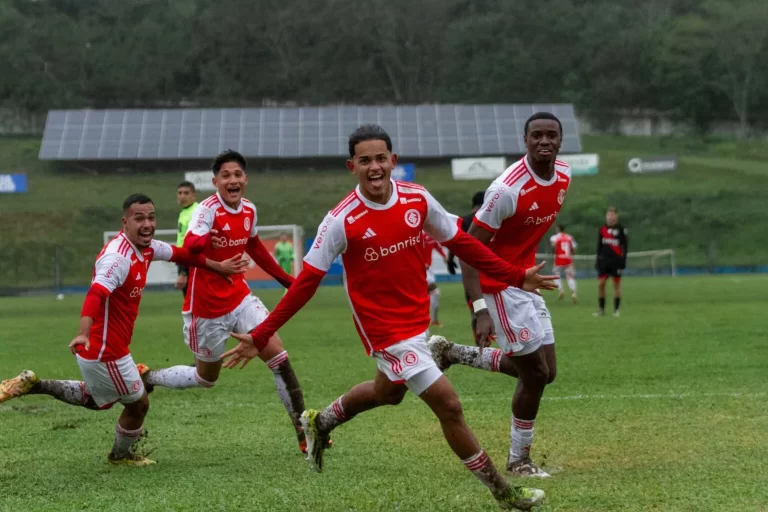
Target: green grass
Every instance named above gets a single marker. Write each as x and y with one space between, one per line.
660 410
709 208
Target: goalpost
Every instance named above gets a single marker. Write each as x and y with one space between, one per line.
164 272
659 262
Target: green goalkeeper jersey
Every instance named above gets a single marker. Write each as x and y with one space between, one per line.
284 253
184 217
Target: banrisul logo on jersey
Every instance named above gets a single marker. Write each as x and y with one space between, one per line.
374 254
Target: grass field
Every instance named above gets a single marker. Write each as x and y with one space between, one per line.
662 409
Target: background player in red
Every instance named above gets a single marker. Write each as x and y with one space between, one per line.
224 226
564 246
520 206
612 247
431 245
377 229
106 326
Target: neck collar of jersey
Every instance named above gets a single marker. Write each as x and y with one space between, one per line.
228 208
377 206
192 206
137 252
536 177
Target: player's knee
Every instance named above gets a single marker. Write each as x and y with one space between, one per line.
452 410
551 374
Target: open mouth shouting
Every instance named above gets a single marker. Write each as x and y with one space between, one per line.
376 179
233 192
145 236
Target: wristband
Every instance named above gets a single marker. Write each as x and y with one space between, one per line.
479 305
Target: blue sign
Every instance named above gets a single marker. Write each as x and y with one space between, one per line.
403 172
13 183
336 267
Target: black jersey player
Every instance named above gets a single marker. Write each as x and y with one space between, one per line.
612 245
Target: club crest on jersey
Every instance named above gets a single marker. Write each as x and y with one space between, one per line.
525 335
136 386
247 224
561 196
413 218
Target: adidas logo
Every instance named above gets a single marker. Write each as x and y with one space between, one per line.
534 206
369 233
226 227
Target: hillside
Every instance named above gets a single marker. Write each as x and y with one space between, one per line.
706 207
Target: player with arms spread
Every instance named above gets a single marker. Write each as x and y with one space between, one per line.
377 230
520 206
612 247
222 227
106 327
430 245
564 246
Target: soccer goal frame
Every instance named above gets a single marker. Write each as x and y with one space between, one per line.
164 273
658 260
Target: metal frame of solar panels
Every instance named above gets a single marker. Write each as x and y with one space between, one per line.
423 131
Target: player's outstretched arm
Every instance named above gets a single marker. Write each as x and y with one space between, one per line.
473 251
94 302
297 297
260 255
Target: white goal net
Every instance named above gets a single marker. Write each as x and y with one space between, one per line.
660 262
164 273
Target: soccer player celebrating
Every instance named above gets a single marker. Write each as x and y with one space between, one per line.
222 227
564 246
519 208
106 327
612 247
185 196
431 245
377 230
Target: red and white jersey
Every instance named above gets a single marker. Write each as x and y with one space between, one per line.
209 295
430 245
382 255
564 245
519 208
121 268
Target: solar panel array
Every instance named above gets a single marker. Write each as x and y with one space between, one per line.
423 131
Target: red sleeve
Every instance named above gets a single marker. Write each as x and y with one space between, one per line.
94 300
260 255
197 243
473 252
187 257
298 295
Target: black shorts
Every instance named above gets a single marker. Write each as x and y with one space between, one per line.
609 269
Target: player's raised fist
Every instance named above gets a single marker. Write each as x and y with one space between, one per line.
79 344
534 281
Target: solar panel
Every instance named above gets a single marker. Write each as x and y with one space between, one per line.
417 131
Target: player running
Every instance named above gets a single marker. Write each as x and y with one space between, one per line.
106 327
564 246
377 230
430 245
612 247
222 227
520 206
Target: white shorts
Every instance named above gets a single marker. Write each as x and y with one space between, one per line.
522 321
115 381
207 337
557 269
430 277
409 362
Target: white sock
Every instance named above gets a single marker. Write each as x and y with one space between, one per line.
124 440
178 377
572 284
288 388
482 467
434 303
559 283
521 438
